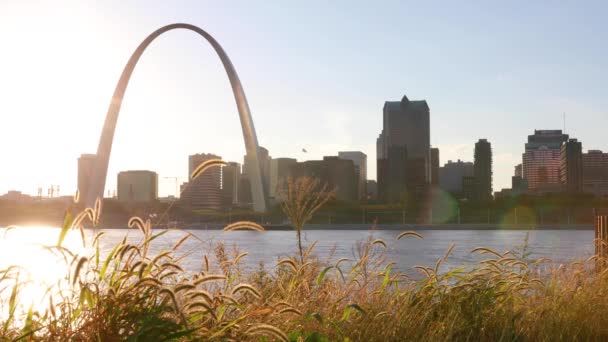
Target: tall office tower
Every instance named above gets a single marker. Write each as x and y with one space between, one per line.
86 165
518 171
541 160
469 188
403 150
335 172
595 173
137 186
571 166
381 169
452 174
264 159
279 173
231 175
244 192
360 161
434 166
483 170
204 192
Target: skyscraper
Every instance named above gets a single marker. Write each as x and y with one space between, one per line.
137 186
403 149
244 191
264 158
86 165
541 160
279 173
231 174
469 187
204 192
434 166
360 161
519 171
518 184
571 166
595 173
483 170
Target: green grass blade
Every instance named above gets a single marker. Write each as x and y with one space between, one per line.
67 223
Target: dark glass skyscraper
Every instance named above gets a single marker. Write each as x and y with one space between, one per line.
571 166
435 166
482 170
403 149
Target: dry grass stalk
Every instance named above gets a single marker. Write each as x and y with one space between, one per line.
300 199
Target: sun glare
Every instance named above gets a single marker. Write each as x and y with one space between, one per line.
39 266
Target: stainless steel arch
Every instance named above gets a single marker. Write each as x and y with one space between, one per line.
98 180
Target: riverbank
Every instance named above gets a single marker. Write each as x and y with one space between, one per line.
409 226
361 226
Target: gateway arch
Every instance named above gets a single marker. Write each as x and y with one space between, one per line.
98 180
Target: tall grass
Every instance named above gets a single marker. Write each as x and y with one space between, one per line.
133 294
300 199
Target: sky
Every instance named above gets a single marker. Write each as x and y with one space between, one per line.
316 74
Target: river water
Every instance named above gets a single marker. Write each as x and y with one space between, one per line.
25 247
22 245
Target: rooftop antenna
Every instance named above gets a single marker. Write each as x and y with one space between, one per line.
564 118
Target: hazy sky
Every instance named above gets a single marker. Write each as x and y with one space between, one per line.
316 74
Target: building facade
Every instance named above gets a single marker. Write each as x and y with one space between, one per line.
264 158
434 166
483 170
541 160
360 161
86 165
204 192
571 166
137 186
403 150
595 173
469 186
279 174
452 173
231 175
518 172
335 172
372 190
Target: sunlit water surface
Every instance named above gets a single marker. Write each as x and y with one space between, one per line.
41 268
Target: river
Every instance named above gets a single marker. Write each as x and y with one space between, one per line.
22 245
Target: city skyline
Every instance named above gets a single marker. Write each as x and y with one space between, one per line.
499 100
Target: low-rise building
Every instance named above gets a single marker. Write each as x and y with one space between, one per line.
137 186
335 172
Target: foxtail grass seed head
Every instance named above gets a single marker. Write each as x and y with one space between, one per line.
244 225
266 329
409 233
206 165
